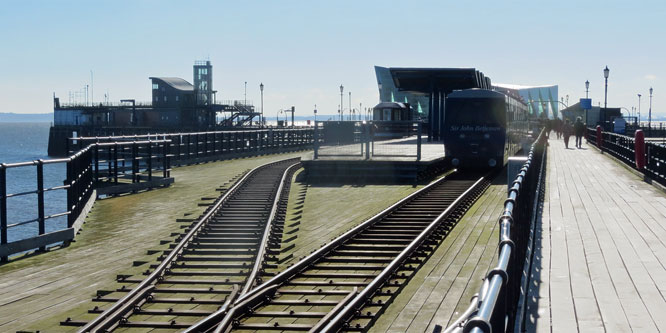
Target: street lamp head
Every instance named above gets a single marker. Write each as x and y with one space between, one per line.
341 88
587 84
650 91
261 86
606 72
639 95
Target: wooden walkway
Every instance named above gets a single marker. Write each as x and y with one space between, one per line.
601 248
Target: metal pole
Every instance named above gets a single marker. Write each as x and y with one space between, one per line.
606 95
639 110
650 112
341 104
261 87
350 108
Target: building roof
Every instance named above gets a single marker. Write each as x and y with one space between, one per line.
521 87
390 105
424 80
176 83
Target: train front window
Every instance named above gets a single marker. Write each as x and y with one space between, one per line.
464 112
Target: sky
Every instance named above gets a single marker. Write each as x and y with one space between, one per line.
302 51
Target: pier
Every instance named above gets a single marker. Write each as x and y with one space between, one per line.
590 262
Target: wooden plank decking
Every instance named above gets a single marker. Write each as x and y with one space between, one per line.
601 248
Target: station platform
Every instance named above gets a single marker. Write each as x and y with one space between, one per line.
600 253
395 161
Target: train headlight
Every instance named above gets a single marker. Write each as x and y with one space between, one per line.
492 163
455 162
462 135
486 136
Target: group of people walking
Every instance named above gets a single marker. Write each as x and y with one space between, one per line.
564 129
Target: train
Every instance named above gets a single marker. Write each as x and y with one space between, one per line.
483 128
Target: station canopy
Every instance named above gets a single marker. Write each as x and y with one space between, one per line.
427 80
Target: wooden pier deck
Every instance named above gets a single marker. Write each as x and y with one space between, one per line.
37 292
601 248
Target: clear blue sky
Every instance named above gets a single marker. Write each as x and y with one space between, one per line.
303 50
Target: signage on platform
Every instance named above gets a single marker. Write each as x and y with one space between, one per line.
586 103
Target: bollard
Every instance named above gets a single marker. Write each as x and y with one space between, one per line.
639 149
599 138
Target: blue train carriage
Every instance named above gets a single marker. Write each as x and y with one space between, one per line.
483 128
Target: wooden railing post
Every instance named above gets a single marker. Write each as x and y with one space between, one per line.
164 160
135 161
96 163
150 160
40 199
3 207
418 142
115 163
71 192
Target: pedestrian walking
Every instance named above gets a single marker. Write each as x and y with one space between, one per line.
579 130
566 132
549 126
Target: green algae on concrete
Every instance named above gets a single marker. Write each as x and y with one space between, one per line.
38 292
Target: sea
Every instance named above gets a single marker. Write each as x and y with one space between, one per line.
21 142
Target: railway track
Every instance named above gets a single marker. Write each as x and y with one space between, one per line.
348 283
217 258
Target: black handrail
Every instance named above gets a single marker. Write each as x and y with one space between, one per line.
83 175
496 305
623 148
193 147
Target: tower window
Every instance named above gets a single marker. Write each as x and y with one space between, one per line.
156 86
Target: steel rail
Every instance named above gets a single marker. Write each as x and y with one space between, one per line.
336 323
299 266
260 292
251 279
263 294
96 324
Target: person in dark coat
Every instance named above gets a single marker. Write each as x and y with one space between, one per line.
566 132
579 130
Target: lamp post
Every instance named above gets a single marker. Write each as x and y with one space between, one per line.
341 104
650 112
350 108
261 120
245 101
360 110
277 117
606 72
587 89
639 110
315 113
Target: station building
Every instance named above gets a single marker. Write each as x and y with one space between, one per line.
425 91
175 103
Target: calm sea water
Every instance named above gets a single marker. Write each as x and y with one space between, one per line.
20 142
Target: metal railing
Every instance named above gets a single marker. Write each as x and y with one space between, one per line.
368 139
87 170
623 148
495 307
186 148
